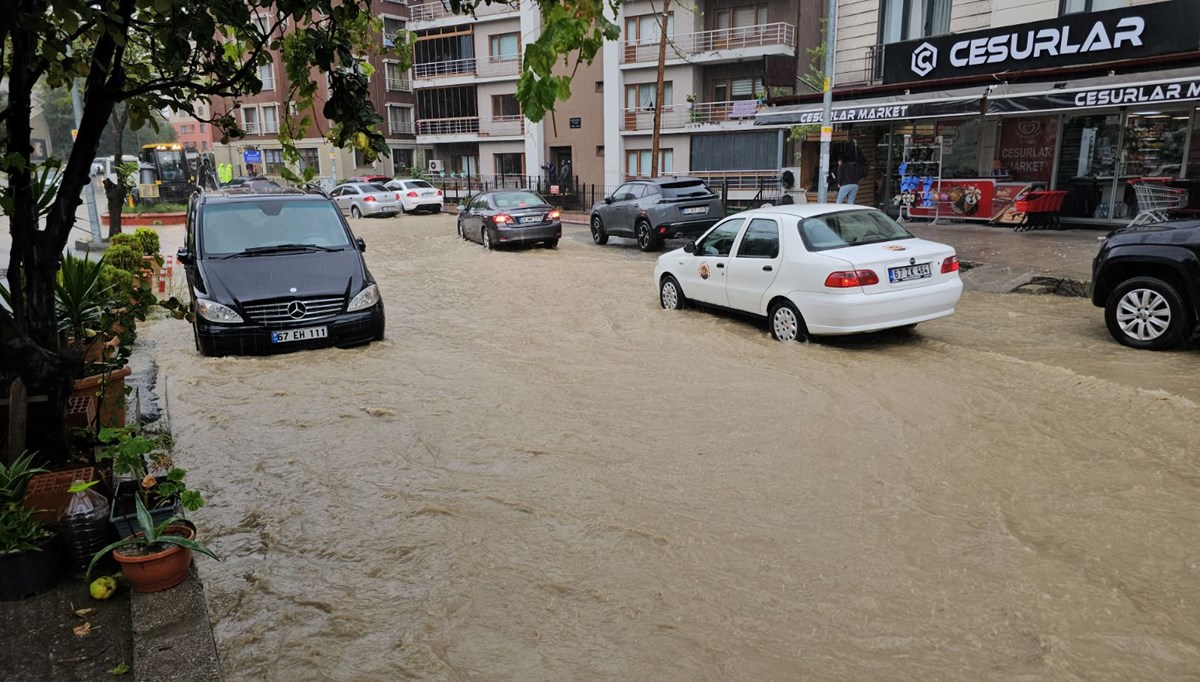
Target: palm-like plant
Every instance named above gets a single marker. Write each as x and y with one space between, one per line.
80 298
152 538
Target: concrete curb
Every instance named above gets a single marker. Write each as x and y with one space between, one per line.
172 638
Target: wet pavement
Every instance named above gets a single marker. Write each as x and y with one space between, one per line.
540 474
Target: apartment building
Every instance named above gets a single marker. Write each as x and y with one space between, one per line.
191 132
1000 97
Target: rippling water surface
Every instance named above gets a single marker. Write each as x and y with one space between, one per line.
540 475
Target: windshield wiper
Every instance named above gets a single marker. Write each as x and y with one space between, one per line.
283 248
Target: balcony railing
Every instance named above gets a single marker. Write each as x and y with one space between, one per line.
399 84
499 66
503 125
400 127
251 128
742 37
430 11
691 114
468 125
456 67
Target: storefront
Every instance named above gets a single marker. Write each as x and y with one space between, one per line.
969 151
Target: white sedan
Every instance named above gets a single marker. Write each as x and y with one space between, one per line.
417 195
813 270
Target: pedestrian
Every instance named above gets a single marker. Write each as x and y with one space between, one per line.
848 175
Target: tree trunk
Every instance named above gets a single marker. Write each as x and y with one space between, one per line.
116 192
658 97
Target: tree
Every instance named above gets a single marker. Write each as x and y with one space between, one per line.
60 120
194 52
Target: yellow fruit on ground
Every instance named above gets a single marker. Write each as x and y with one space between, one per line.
103 588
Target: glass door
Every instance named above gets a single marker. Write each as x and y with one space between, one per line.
1088 165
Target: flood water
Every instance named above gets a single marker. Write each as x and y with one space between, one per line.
541 475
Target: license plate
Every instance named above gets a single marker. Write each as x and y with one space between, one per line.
907 272
694 210
299 334
531 219
389 209
427 194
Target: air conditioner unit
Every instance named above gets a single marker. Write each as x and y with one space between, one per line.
435 166
791 191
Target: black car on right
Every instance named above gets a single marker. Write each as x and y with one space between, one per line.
651 211
1147 279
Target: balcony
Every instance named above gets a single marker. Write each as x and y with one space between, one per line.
251 128
503 125
467 125
499 66
456 67
432 11
692 115
726 44
399 84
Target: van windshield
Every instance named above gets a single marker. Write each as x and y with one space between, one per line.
241 226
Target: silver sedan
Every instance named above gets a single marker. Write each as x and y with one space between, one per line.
359 199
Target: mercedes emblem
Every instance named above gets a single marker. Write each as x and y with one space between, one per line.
296 310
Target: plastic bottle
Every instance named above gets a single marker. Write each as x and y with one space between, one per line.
83 525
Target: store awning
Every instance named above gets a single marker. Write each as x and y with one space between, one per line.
1157 88
965 102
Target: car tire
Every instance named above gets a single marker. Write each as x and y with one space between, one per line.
598 234
550 243
645 236
1147 313
436 209
670 294
354 212
786 322
486 239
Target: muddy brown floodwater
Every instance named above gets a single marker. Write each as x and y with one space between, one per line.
540 475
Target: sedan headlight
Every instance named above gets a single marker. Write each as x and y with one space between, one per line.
215 312
365 298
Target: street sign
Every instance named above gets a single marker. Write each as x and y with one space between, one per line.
826 133
252 156
576 122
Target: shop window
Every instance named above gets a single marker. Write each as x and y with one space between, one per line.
1026 149
310 158
1087 166
1154 143
1074 6
907 19
961 140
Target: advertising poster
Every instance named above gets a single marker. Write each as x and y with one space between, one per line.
1026 149
966 199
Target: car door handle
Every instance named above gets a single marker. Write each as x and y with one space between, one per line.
720 265
767 268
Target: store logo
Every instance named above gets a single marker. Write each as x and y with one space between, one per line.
1029 128
924 59
1047 42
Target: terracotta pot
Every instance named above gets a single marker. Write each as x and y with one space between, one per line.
47 494
112 408
161 570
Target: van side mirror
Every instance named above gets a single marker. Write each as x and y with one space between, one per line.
690 247
362 246
184 256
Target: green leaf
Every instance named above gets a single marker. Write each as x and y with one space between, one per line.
119 669
81 486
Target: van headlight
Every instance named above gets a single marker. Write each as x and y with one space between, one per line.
215 312
365 299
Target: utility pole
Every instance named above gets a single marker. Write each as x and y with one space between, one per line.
827 108
658 97
89 193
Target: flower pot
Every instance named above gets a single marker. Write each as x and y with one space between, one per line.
24 574
124 511
112 408
47 494
159 570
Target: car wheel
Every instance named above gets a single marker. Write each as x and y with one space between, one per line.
786 323
1147 313
645 237
485 239
598 234
354 212
550 243
670 295
436 209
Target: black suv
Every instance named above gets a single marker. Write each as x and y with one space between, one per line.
1147 279
276 270
653 210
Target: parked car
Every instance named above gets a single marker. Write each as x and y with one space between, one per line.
276 271
509 217
417 195
378 179
1147 279
654 210
359 199
814 270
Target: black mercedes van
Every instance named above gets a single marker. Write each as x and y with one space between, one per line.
272 271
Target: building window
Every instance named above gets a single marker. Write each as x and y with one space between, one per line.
510 164
599 86
266 74
185 129
464 163
740 17
310 158
737 89
398 79
400 121
1074 6
250 120
504 47
391 26
272 161
505 105
637 162
645 29
641 96
402 159
270 118
907 19
599 150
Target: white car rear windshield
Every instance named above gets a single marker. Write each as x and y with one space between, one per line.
420 184
848 228
236 227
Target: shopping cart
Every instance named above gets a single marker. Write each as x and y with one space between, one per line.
1156 201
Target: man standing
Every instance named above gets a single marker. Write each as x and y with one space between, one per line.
848 175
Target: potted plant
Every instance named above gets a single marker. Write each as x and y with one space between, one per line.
149 477
30 555
80 299
157 557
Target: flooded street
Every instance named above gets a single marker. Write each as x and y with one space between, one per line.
541 475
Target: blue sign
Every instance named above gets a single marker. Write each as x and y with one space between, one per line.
252 156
